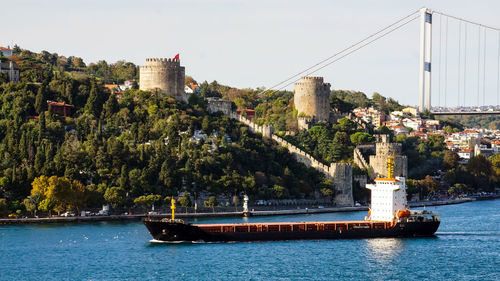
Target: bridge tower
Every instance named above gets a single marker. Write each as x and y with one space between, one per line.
425 58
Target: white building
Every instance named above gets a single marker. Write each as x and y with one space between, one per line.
465 155
413 123
11 69
188 90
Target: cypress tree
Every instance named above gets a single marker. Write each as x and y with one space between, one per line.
41 127
123 177
40 103
91 106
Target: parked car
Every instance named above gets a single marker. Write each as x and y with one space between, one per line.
68 214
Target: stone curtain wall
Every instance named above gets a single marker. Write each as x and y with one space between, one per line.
339 173
360 160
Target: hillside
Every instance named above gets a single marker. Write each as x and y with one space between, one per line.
117 148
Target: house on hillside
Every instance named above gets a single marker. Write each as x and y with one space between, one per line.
60 108
6 51
465 155
112 87
249 112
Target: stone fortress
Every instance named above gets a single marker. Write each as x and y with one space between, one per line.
312 101
340 174
166 75
377 156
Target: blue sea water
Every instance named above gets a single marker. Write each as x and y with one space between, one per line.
466 247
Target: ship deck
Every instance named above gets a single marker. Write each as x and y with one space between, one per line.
293 226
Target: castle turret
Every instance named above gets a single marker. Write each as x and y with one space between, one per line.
384 148
312 101
167 75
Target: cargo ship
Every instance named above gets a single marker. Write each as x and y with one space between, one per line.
388 216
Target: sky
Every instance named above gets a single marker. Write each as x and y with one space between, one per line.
259 43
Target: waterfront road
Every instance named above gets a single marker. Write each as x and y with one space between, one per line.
138 217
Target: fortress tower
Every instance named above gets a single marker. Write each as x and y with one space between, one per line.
312 101
167 75
384 149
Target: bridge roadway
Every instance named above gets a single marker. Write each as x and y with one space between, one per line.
466 113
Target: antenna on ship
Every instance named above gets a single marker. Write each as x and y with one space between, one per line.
172 207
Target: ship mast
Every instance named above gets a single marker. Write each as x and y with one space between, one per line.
390 167
172 207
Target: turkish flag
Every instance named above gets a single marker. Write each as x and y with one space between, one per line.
176 57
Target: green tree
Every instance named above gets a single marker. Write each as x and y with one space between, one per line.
123 181
360 138
147 201
211 202
450 159
115 196
92 105
279 191
481 170
110 107
495 165
430 184
185 200
4 210
59 192
40 101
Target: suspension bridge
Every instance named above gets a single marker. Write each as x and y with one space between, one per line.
467 79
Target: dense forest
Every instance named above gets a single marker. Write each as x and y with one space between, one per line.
137 149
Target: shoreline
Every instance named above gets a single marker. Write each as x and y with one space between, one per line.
138 217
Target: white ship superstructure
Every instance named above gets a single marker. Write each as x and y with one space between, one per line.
388 198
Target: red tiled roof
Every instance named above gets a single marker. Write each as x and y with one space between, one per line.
3 48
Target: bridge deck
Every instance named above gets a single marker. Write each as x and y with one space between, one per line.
467 113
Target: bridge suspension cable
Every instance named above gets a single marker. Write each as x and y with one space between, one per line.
345 51
350 52
467 21
466 59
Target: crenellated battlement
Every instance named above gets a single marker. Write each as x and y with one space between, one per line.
154 63
312 78
386 149
161 60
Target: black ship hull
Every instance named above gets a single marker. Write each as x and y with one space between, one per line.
179 231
